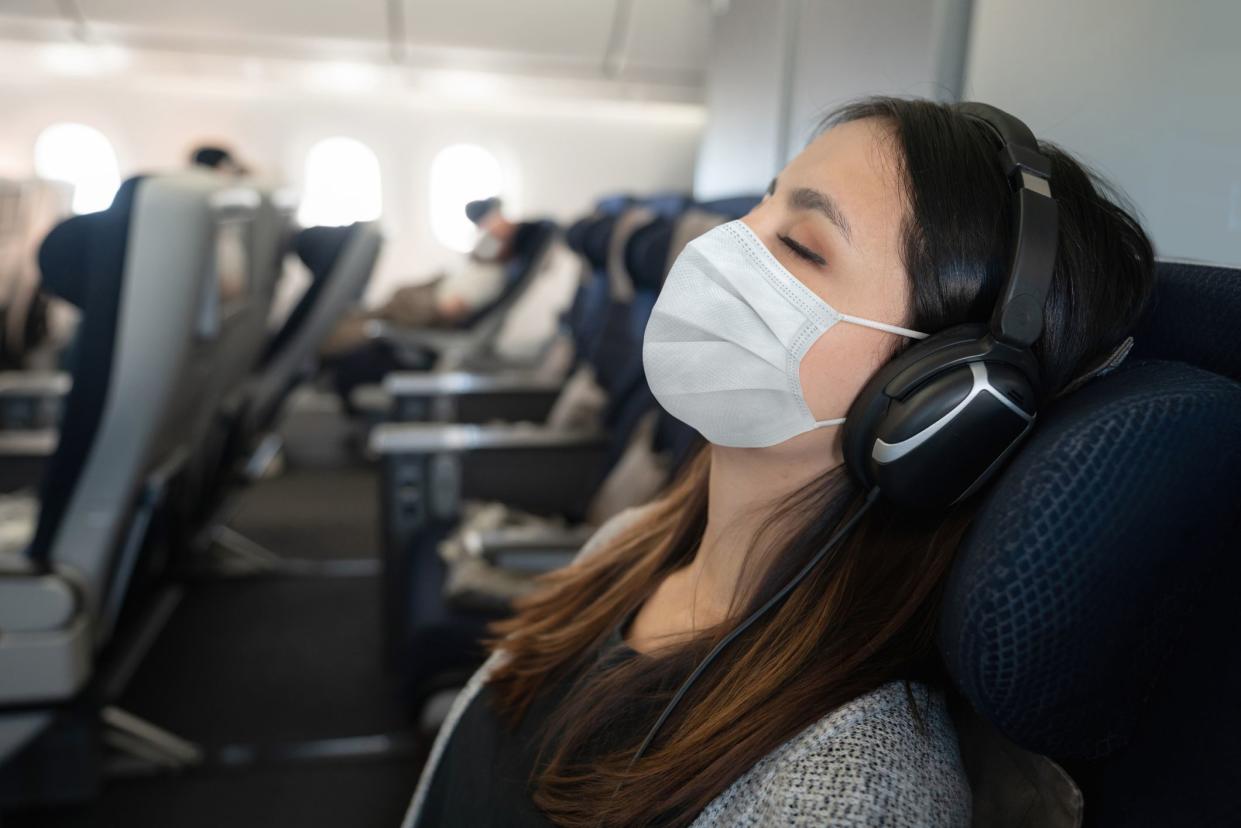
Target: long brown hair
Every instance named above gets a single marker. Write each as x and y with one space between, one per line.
866 615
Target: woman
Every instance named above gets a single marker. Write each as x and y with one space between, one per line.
829 708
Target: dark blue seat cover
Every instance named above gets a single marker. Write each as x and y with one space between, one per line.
1091 612
82 260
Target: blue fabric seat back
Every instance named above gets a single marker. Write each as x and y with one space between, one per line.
1194 317
733 207
668 205
595 321
1085 557
630 398
82 260
1090 614
614 205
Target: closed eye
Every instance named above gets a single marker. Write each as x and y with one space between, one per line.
802 251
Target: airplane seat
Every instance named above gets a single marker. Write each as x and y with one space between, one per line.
531 243
1193 317
493 388
470 346
615 204
440 608
341 261
117 449
250 234
732 207
668 205
1090 615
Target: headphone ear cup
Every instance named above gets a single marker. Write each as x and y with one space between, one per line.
871 403
933 423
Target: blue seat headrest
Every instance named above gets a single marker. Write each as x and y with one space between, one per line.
575 236
614 205
733 207
668 205
646 254
597 239
1086 556
69 251
1193 317
320 247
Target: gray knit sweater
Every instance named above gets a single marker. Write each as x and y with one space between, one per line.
865 764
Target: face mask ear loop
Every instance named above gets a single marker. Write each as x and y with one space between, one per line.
826 423
883 326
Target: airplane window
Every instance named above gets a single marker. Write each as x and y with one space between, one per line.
459 174
341 184
83 157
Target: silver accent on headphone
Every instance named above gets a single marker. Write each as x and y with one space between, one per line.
1035 183
891 452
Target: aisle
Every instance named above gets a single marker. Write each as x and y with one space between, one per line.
276 665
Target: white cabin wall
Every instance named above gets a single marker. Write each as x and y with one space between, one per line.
563 153
776 66
1148 92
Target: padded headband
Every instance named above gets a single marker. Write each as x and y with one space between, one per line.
1018 316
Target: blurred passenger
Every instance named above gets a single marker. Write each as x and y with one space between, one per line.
473 285
217 159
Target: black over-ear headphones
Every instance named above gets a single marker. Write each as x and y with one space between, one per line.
933 424
936 422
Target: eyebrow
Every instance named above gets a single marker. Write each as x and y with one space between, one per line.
804 198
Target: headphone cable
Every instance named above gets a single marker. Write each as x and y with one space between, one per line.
840 533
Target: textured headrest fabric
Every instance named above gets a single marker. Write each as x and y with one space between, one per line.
598 238
733 207
1088 554
646 254
1193 317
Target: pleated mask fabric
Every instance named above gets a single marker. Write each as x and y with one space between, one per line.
725 341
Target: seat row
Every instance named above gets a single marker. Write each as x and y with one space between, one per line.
114 473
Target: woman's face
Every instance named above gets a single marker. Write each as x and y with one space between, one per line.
833 220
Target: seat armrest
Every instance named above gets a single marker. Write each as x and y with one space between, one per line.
462 383
528 550
24 456
430 469
462 397
436 438
32 399
425 338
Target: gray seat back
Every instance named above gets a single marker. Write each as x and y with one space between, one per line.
165 313
331 292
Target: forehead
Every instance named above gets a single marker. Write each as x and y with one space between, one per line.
856 163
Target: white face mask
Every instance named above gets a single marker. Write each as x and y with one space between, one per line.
487 248
724 344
